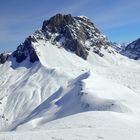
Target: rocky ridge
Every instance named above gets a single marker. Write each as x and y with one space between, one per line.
76 34
3 57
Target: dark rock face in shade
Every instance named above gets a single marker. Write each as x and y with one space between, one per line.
26 50
3 58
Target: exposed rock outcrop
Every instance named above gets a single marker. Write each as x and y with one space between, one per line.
76 34
3 57
26 50
76 31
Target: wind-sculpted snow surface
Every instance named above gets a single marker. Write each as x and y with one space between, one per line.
57 104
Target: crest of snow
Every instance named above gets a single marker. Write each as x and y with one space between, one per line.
84 17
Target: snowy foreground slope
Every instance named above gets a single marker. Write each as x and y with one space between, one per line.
64 97
98 99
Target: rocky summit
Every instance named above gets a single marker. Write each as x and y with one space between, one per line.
75 34
76 31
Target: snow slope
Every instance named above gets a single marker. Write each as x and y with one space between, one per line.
66 97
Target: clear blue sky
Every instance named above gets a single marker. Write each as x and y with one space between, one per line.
119 19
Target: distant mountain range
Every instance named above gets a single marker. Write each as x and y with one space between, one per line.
132 50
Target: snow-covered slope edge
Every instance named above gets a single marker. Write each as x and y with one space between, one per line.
87 105
86 93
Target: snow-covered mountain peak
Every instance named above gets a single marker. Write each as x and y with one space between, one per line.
50 95
75 34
